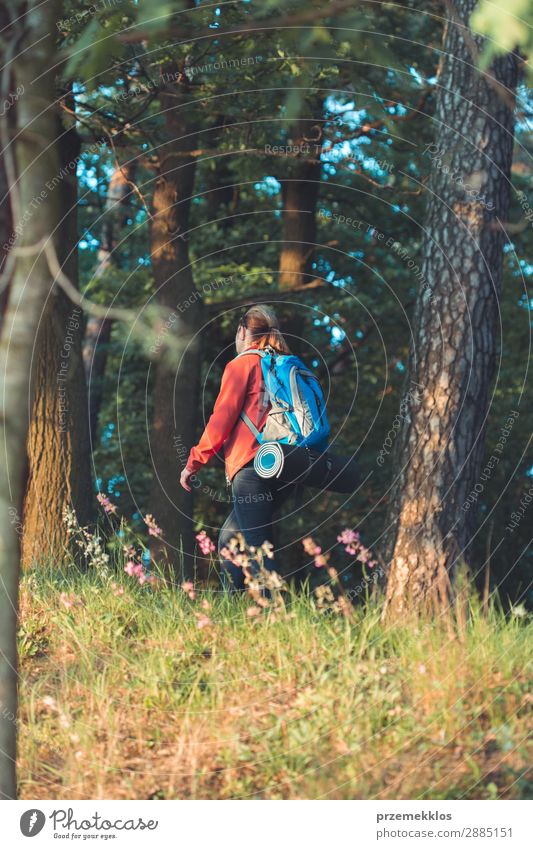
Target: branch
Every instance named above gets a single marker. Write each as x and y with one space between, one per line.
138 328
121 313
216 306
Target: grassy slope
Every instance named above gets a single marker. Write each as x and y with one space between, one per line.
124 696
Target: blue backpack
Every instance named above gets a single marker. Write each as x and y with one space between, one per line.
298 410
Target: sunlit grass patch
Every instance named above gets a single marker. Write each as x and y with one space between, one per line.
126 692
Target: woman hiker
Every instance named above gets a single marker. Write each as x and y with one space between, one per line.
242 390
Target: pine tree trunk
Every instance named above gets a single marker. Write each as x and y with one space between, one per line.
6 229
439 449
300 191
96 340
300 195
177 376
59 471
98 330
37 161
221 194
6 221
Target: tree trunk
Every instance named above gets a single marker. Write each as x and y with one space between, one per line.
37 161
300 195
98 330
6 230
59 473
6 220
439 449
221 193
177 378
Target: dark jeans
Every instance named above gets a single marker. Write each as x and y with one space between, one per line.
254 502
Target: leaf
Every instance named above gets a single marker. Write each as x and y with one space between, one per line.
154 17
91 53
506 24
293 104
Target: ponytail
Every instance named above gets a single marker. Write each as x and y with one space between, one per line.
262 327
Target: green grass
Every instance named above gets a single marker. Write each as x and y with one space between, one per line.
124 696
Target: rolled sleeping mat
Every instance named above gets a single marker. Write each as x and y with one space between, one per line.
294 464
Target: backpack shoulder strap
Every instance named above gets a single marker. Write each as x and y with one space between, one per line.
259 351
249 424
242 415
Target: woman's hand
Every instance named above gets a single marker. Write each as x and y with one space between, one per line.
184 479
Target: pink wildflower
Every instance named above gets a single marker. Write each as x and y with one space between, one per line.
310 547
153 529
67 600
350 540
353 545
116 589
134 570
206 545
253 611
364 555
230 554
268 550
203 621
315 551
104 502
205 604
188 587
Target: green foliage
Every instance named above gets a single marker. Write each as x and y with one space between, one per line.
365 79
507 24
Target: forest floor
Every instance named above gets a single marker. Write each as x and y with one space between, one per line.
133 691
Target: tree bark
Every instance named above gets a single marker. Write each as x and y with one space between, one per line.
37 161
6 229
59 470
439 449
300 195
6 220
98 330
221 195
177 379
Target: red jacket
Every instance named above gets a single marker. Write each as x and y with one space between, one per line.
242 388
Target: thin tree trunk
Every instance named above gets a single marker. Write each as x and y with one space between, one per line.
6 220
6 230
300 190
98 330
37 161
440 447
300 195
221 195
176 382
59 473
